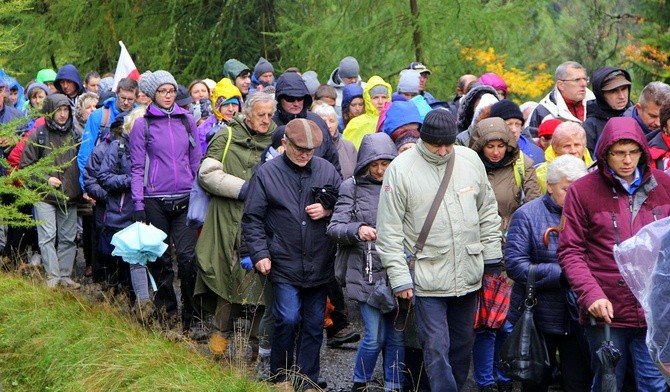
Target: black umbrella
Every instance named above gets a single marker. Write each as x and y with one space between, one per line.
608 355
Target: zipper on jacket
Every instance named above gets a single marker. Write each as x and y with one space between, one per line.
655 212
175 172
616 227
630 203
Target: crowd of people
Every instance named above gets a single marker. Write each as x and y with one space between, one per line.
352 192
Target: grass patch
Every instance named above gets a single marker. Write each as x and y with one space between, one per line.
55 340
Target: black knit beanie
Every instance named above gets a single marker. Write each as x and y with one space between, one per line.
506 109
439 127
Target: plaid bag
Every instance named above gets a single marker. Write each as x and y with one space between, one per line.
492 302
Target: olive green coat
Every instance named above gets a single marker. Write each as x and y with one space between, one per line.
217 250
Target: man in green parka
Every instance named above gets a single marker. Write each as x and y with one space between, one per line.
223 287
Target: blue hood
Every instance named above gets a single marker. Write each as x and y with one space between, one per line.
349 92
69 72
12 83
399 114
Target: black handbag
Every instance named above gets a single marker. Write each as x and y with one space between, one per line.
524 356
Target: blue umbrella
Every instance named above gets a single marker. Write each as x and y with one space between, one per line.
139 244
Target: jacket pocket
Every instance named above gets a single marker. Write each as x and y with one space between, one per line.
473 271
432 271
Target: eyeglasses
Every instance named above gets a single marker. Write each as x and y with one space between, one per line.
578 80
621 155
126 99
164 92
293 99
300 150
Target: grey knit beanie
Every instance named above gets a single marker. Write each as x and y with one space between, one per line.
348 67
409 81
311 79
150 81
263 66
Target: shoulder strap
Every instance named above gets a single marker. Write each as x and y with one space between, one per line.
225 150
519 176
103 129
530 300
519 169
421 241
187 125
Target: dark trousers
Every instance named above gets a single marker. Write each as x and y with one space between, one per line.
297 309
576 374
20 239
164 216
446 352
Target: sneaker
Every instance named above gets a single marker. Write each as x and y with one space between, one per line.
263 368
35 260
505 386
343 336
52 283
218 343
67 282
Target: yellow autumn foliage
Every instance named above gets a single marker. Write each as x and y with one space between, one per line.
531 83
650 58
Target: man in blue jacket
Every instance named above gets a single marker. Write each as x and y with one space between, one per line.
284 225
99 121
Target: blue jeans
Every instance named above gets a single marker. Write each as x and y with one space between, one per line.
631 343
446 332
298 312
380 334
485 358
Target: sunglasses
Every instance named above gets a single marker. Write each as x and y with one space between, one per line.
293 99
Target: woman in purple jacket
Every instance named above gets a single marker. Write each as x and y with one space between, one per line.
602 209
164 159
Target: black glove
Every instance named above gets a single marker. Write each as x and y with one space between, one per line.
139 216
326 195
493 268
243 191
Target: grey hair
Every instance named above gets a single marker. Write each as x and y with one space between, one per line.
257 97
562 70
656 92
322 109
566 167
565 129
528 105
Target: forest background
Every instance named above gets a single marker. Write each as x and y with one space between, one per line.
523 41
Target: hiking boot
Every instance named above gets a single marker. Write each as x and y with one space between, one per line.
67 282
263 368
359 387
505 386
218 343
343 336
35 260
52 283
